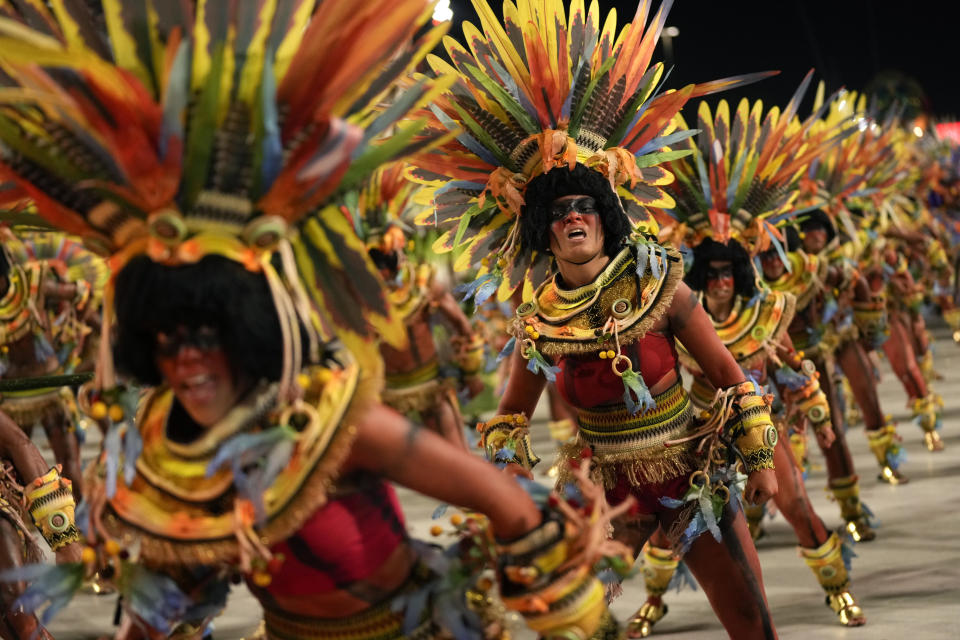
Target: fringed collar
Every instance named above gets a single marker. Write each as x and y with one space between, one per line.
804 280
181 514
570 321
752 331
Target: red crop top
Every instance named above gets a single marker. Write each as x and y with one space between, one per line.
587 381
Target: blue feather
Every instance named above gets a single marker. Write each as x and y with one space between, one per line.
507 349
271 146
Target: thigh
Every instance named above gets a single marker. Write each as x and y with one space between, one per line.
729 573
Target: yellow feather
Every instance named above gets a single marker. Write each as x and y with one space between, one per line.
21 33
69 26
256 52
491 26
123 45
201 46
157 49
227 73
819 97
291 42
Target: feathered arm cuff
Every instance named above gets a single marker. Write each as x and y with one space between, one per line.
804 395
870 317
469 354
750 425
506 438
50 503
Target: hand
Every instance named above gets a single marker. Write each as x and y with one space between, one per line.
825 435
69 553
515 470
474 385
761 486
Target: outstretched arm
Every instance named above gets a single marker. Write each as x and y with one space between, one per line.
16 447
523 387
691 325
389 445
446 304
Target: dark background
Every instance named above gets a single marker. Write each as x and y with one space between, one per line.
899 49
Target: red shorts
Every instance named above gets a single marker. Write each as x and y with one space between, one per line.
648 495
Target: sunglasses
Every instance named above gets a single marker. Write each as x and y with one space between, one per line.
202 338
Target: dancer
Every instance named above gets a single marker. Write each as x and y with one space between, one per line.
29 486
567 185
51 288
724 277
414 386
857 317
244 298
752 322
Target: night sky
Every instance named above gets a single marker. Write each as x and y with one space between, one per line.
851 43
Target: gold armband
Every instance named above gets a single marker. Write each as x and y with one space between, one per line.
50 503
811 401
469 354
506 438
752 428
555 602
870 316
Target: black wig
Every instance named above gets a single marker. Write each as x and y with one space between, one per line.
818 219
215 292
4 264
536 216
744 278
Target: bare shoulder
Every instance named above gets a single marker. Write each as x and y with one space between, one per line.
684 302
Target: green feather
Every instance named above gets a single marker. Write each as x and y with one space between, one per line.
659 157
482 136
505 100
577 118
203 129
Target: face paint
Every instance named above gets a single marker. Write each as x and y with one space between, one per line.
584 205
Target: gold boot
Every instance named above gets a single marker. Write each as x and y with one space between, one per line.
846 491
798 445
659 565
926 368
926 411
885 444
754 513
826 562
952 318
851 411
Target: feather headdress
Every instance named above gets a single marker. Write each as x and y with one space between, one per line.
383 208
185 129
743 176
547 89
865 165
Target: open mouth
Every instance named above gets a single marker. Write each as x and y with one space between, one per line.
576 233
197 390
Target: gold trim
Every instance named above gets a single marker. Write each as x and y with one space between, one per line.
569 321
749 333
173 528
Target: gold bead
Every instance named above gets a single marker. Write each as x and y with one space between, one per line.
88 555
603 355
116 412
98 410
262 578
111 547
436 530
535 335
303 380
456 519
611 354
